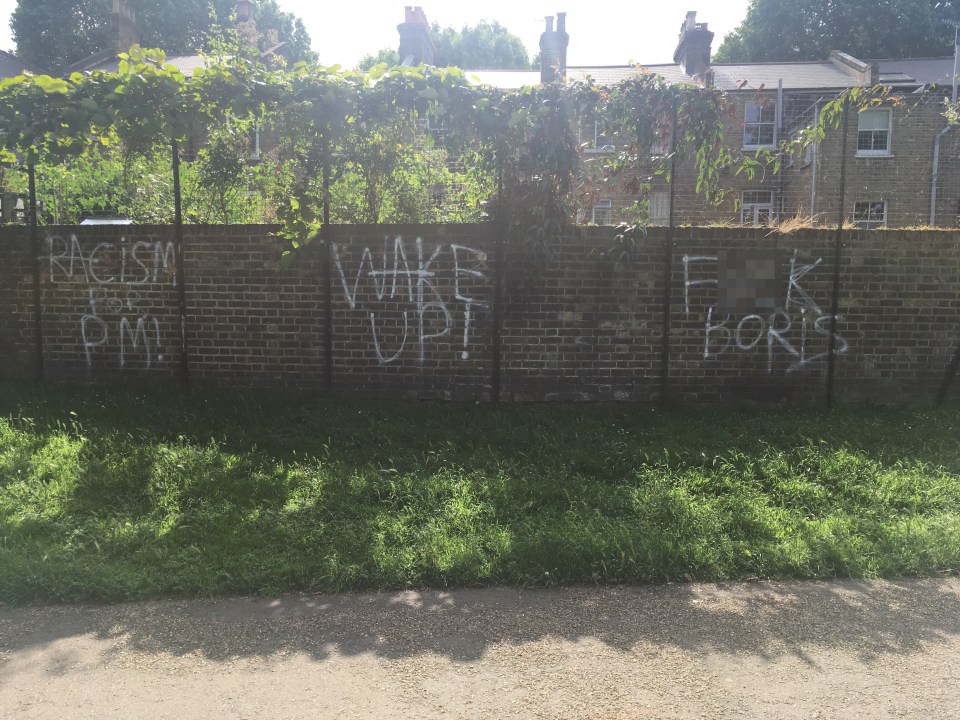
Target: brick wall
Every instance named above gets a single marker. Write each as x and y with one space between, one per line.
414 312
754 352
17 348
903 178
251 321
412 309
584 330
109 302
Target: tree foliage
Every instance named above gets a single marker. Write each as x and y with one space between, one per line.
54 34
272 26
102 181
484 46
380 146
386 56
775 30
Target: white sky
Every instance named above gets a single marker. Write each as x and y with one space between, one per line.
602 32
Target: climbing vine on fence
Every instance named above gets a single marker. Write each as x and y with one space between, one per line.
349 146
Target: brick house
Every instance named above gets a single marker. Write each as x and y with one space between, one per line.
903 159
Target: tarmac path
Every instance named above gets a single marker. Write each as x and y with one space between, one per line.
747 650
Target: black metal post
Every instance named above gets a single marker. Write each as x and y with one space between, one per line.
499 227
328 273
668 267
837 253
35 250
178 253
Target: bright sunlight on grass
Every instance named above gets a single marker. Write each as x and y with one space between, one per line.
110 495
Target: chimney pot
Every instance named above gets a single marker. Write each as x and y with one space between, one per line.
415 41
553 50
123 27
414 15
693 50
244 10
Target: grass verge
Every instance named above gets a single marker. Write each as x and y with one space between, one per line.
110 496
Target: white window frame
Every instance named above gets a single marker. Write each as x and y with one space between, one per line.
886 128
604 210
600 142
661 147
753 207
866 217
659 201
759 124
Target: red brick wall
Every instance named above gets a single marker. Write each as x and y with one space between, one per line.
413 313
17 348
250 321
412 310
900 302
753 354
109 301
584 330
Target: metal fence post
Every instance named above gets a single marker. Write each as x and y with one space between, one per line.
178 252
668 266
837 254
35 251
499 227
328 273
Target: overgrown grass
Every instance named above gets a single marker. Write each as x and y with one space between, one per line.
108 496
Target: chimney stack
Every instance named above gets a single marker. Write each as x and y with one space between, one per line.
693 50
123 26
553 50
244 11
416 45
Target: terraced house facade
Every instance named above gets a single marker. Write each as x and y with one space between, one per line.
902 156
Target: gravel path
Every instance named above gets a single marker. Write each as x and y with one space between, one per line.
762 650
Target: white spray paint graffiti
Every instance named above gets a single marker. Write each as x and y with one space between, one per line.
395 279
780 331
115 291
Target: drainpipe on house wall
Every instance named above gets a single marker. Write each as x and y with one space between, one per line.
777 133
956 60
940 135
936 174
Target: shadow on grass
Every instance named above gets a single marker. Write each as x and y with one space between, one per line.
768 620
120 495
289 426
